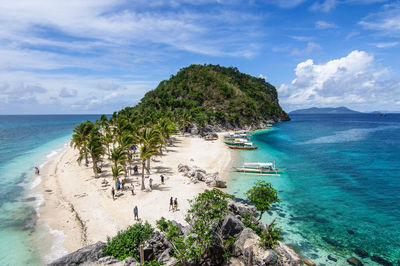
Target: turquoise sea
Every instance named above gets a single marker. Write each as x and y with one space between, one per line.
341 190
26 141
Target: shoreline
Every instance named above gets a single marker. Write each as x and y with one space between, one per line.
78 209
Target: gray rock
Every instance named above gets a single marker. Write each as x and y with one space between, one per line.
231 226
165 256
107 261
246 238
130 262
287 255
89 253
260 256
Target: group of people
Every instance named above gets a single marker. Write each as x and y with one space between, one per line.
173 204
121 185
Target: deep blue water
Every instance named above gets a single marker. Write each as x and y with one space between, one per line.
26 142
341 189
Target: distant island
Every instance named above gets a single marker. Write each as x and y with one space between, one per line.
333 110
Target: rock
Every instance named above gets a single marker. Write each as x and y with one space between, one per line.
89 253
107 261
381 260
194 180
260 256
231 226
165 256
362 253
332 258
130 262
351 232
245 239
332 242
287 255
355 262
309 262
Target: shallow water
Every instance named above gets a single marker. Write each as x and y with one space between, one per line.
341 187
26 142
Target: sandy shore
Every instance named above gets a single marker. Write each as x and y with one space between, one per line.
79 210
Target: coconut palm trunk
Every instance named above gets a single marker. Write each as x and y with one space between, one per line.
143 166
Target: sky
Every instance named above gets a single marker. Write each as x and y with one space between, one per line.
99 56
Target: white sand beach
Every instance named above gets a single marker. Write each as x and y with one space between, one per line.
82 208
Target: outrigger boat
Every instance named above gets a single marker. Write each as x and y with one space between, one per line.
243 146
259 168
210 138
236 142
237 135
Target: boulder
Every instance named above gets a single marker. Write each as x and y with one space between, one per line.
355 262
259 256
89 253
309 262
332 258
231 226
287 255
107 261
165 256
245 239
362 253
381 260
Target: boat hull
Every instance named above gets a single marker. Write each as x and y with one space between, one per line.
258 171
243 148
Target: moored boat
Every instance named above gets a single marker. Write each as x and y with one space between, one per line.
243 146
259 168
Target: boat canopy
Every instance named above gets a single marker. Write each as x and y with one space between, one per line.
259 164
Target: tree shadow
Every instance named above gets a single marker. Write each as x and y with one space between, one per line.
162 170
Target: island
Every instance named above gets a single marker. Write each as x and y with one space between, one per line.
328 110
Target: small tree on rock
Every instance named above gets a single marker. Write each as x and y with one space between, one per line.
262 195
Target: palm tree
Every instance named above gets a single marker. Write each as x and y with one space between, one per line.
118 156
166 128
80 139
95 149
146 151
151 138
116 172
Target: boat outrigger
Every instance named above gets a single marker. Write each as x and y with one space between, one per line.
259 168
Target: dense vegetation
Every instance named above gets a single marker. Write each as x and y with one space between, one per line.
127 243
211 94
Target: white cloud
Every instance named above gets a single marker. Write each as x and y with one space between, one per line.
286 3
324 25
386 21
68 93
324 6
386 44
311 47
352 80
261 76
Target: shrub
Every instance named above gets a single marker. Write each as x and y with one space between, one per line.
269 237
127 243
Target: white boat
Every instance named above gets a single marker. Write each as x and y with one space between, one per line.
259 168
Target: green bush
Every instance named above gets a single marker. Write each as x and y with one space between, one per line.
269 238
127 243
247 222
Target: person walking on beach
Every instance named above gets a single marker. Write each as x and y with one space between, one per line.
162 179
136 169
171 203
37 171
176 204
136 213
132 189
113 193
123 184
151 182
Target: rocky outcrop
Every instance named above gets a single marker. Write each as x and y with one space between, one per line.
196 174
91 253
355 262
229 234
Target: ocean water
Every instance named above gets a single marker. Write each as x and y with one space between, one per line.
341 188
26 142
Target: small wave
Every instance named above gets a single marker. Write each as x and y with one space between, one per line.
354 134
36 182
38 202
57 250
52 154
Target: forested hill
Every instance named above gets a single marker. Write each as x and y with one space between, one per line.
211 94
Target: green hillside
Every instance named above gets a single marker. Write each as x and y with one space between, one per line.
215 95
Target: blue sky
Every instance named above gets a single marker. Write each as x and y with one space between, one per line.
99 56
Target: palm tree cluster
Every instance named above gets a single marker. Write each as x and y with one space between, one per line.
119 137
